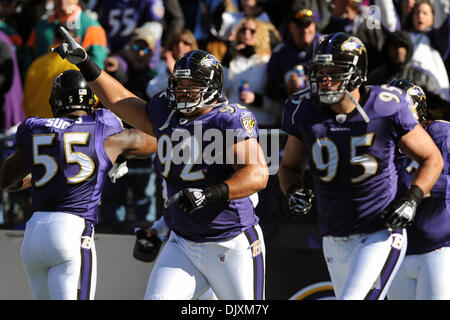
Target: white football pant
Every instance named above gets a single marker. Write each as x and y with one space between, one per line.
59 258
362 266
423 277
234 269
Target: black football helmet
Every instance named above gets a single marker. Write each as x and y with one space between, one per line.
345 52
200 66
70 92
419 99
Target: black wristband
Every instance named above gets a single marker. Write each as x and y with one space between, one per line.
217 193
293 188
89 69
415 193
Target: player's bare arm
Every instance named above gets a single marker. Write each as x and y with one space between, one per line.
418 145
293 164
251 172
131 143
122 102
14 174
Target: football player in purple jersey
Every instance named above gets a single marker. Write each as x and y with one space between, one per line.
216 239
347 134
424 273
68 157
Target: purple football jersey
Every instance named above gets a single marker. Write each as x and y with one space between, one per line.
204 144
120 18
351 161
431 227
68 161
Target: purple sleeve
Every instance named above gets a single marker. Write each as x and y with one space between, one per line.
288 119
113 125
242 123
21 133
404 120
440 132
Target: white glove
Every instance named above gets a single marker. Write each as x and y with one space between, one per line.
118 171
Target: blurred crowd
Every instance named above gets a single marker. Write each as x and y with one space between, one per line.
264 47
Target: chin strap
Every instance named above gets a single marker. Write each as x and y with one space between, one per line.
358 107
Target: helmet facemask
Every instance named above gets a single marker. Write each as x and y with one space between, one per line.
200 94
338 71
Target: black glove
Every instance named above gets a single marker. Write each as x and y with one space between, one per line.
400 213
191 199
299 200
146 248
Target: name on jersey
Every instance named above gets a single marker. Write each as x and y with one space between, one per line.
340 129
62 124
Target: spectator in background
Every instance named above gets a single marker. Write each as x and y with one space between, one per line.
132 69
27 15
40 77
404 10
131 66
179 42
91 33
202 14
296 49
397 64
121 17
429 28
7 9
11 91
231 20
11 114
347 15
6 75
244 79
320 7
425 16
173 18
362 21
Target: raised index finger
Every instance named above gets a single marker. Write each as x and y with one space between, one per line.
67 36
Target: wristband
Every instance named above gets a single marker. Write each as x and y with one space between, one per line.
294 188
217 193
89 69
415 193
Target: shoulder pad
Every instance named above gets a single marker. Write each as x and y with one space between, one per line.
298 96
